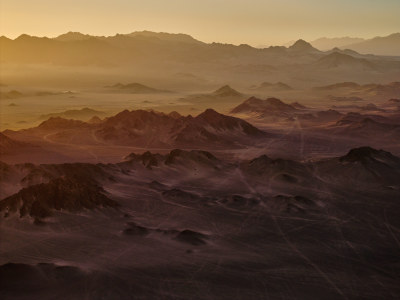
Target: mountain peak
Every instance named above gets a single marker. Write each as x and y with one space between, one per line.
59 123
226 91
94 120
209 113
148 159
302 45
24 37
164 36
217 121
363 154
136 88
4 38
275 86
267 106
72 195
253 100
72 36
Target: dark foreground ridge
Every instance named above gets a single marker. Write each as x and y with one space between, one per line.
69 194
177 224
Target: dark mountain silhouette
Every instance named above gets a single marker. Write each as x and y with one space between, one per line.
345 51
136 88
57 123
150 128
226 91
368 154
176 157
64 193
224 94
28 174
364 165
82 114
72 36
139 127
94 120
270 106
217 129
179 156
175 115
302 46
164 36
221 122
29 49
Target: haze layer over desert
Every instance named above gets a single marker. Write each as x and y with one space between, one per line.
244 155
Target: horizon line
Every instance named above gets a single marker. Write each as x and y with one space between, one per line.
187 34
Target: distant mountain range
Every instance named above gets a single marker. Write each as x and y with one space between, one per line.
75 48
173 37
390 90
387 45
153 58
79 114
325 44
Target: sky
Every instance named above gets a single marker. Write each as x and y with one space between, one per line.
254 22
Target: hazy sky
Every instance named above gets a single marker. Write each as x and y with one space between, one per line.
253 22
